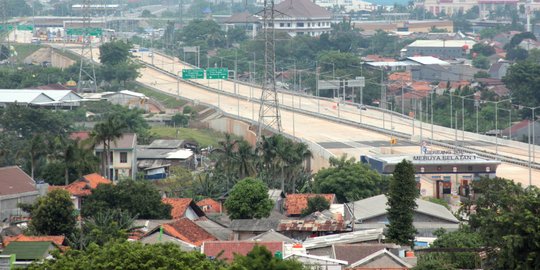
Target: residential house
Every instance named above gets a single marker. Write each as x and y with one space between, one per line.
371 213
227 249
209 205
123 156
247 228
324 245
16 187
445 49
520 131
184 207
128 99
58 240
27 253
272 235
372 256
495 86
301 17
83 187
315 224
156 158
296 203
218 230
498 69
244 20
183 232
317 262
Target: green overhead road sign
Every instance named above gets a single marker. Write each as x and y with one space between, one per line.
217 73
192 74
83 31
24 27
3 27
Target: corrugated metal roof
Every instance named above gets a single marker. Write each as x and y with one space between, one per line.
23 97
54 95
428 60
376 206
442 43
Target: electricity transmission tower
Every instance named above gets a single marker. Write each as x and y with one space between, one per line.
87 73
269 115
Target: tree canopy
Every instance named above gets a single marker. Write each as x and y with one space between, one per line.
130 255
249 199
138 198
314 204
53 214
349 180
523 80
402 194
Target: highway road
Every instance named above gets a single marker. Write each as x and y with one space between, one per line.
335 137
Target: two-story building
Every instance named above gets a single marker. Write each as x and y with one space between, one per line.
301 17
123 156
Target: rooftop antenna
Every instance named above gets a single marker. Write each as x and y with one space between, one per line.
269 115
86 69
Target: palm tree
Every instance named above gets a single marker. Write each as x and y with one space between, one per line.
35 149
227 158
246 160
67 154
106 133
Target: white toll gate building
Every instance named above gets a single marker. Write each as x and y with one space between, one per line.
439 173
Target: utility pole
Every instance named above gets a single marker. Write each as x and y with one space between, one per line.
317 87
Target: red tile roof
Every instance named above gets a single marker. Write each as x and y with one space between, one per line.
84 186
295 203
179 206
400 76
209 205
420 86
229 248
56 239
13 180
378 58
79 135
188 231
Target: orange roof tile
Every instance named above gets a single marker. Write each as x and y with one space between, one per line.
420 86
79 135
295 203
56 239
400 76
84 186
229 248
179 206
188 231
209 205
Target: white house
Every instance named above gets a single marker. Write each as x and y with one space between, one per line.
302 17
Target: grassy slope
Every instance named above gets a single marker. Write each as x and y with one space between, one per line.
167 101
24 50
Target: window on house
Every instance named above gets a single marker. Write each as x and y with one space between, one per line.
318 24
123 157
288 24
300 24
111 157
281 24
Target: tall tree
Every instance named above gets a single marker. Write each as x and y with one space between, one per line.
249 199
349 180
53 214
402 194
106 133
314 204
507 217
114 52
139 198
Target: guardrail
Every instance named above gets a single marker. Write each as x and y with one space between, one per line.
485 154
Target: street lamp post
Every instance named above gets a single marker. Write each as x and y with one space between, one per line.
463 115
496 126
178 84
